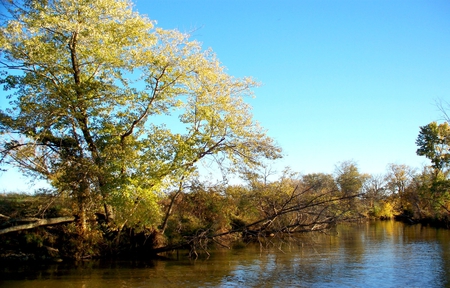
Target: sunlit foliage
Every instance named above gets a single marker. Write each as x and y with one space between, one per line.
112 110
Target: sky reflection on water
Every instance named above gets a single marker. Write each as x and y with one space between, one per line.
378 254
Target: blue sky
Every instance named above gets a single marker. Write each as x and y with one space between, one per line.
341 80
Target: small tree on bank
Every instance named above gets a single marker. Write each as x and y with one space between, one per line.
91 85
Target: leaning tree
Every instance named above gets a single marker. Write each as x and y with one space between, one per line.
111 110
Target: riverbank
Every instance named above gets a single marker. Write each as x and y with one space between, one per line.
51 244
426 221
44 227
357 255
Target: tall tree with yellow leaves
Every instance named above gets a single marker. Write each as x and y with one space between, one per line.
94 90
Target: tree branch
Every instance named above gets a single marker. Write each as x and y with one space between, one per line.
39 222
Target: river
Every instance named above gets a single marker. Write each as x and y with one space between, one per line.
375 254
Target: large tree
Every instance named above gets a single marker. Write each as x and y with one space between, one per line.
434 143
350 183
91 85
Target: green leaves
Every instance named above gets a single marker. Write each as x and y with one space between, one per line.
104 99
434 143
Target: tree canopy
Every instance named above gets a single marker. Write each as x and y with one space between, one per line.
108 108
434 143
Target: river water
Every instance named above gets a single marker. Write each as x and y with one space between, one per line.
376 254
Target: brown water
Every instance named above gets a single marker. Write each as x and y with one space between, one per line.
377 254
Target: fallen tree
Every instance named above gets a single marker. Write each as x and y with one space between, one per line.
198 217
281 215
36 222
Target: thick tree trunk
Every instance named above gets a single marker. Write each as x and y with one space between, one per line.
82 209
109 214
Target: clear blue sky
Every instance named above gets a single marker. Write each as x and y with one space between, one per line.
341 80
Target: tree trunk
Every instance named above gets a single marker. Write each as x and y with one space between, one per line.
82 199
37 223
169 210
109 214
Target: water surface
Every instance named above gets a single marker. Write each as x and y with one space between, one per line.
376 254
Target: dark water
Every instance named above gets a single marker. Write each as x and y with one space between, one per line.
378 254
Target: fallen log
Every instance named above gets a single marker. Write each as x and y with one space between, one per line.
38 223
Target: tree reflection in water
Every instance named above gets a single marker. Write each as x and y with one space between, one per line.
376 254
